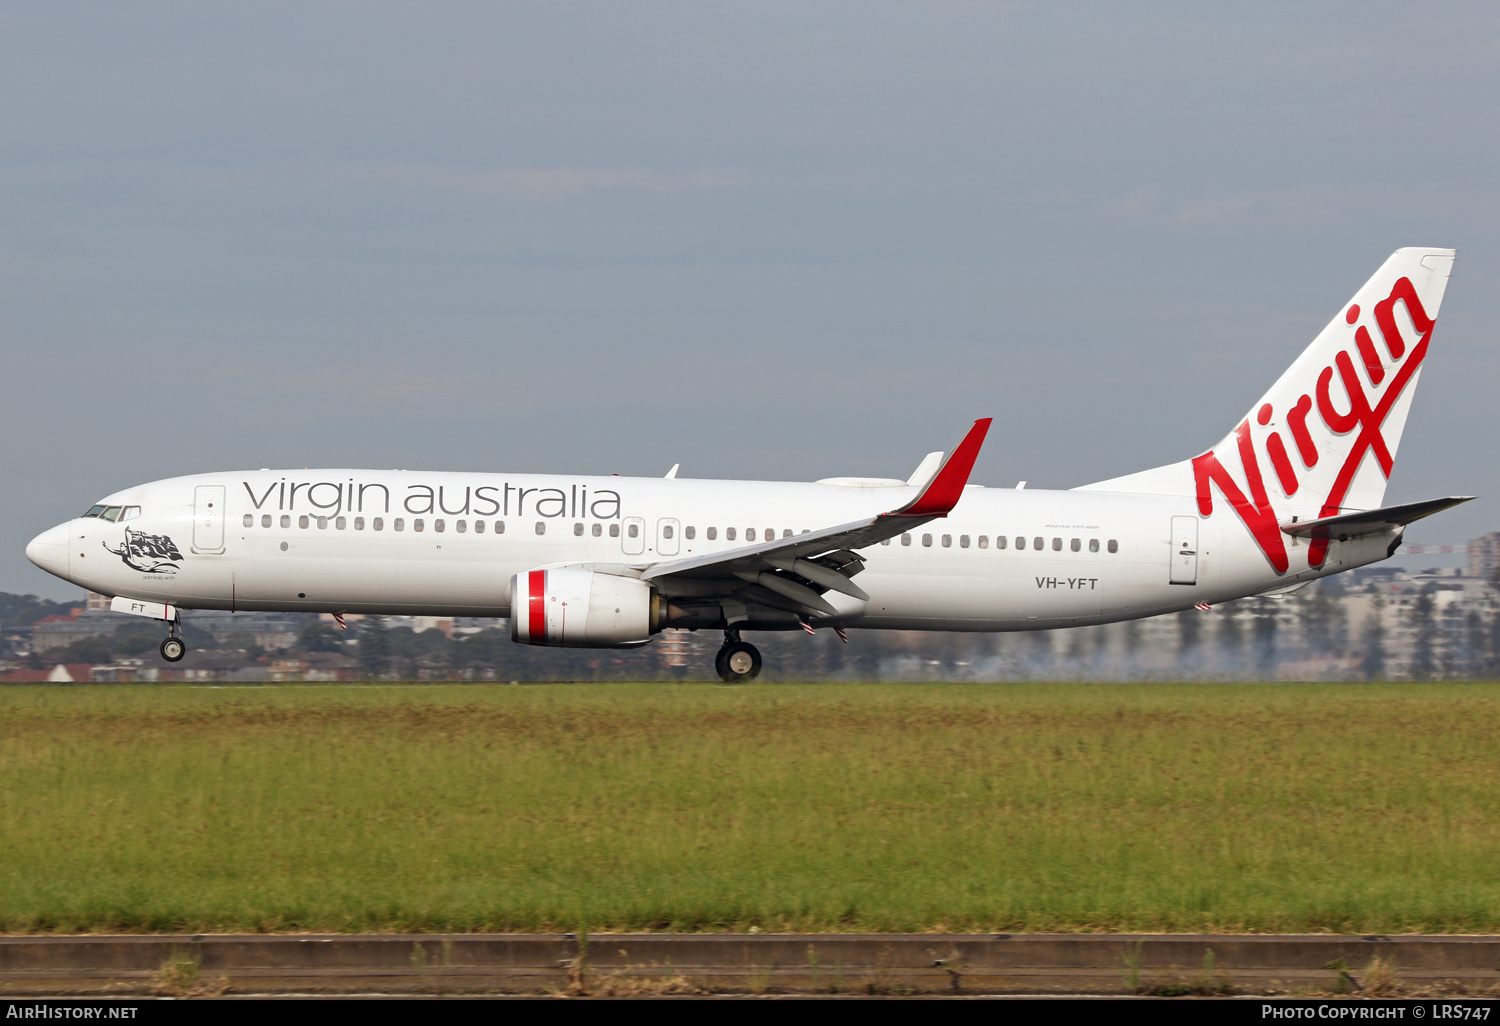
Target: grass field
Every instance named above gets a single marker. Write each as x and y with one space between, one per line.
1364 808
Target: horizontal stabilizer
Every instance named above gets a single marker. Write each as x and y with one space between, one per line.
1374 521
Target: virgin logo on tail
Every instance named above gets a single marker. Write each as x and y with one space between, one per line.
1362 415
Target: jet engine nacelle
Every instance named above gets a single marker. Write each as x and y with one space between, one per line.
580 609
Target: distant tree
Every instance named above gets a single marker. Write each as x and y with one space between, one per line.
374 647
1477 658
867 650
1265 635
18 611
1230 640
1130 644
1424 635
1041 656
137 638
319 637
1372 638
1189 632
93 651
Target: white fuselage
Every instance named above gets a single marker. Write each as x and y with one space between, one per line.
355 541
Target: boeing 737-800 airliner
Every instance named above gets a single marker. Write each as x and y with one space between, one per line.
1291 494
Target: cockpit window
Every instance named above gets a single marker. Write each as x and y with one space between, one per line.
131 512
111 513
94 511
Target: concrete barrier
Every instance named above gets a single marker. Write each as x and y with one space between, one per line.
754 963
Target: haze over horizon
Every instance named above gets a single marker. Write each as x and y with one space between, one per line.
782 241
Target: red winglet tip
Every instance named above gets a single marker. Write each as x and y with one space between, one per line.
947 485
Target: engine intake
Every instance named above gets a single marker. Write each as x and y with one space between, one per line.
580 609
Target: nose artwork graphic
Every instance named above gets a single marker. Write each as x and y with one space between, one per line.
148 553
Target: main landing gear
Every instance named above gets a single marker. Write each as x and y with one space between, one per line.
738 660
173 649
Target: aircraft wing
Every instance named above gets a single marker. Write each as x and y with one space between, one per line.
792 572
1374 521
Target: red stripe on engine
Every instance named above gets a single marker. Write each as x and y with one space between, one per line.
536 603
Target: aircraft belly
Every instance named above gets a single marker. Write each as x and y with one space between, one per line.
368 573
1001 593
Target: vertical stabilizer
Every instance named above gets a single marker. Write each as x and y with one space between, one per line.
1322 441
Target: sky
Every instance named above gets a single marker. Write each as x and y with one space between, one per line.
772 240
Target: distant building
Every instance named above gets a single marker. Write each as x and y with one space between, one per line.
81 624
314 666
1484 556
270 632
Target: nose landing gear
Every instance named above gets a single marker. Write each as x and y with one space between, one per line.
173 649
738 660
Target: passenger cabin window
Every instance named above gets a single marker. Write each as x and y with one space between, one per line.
1039 543
340 523
479 527
689 532
597 530
666 531
378 523
634 530
1075 544
322 523
788 533
439 526
265 520
947 541
286 521
541 527
927 541
418 524
1000 541
399 524
984 541
1020 542
906 539
499 526
1093 544
963 541
713 533
460 526
249 519
359 523
1114 546
1056 544
302 521
578 530
614 530
729 534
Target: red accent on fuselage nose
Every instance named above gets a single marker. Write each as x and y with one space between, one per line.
536 607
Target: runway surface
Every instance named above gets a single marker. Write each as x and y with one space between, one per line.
604 964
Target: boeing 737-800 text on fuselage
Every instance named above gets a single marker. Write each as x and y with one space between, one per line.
1291 494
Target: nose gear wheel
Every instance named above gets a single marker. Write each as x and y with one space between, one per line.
173 649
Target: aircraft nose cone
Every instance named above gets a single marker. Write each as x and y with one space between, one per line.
49 550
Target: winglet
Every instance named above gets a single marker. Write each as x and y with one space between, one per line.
947 485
